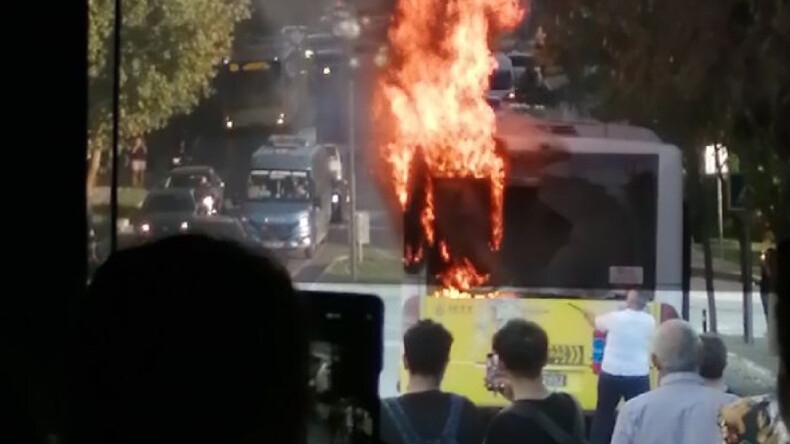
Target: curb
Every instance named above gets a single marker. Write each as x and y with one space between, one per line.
748 378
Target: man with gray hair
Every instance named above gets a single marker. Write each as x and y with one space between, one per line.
682 409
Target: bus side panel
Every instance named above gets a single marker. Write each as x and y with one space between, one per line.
473 322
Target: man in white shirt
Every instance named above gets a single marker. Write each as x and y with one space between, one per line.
625 370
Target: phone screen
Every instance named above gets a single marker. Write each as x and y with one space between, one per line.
494 379
345 362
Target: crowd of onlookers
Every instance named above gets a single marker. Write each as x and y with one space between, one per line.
691 404
161 353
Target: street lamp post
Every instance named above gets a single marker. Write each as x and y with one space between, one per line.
116 86
348 29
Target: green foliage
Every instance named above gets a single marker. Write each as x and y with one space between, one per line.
697 72
170 50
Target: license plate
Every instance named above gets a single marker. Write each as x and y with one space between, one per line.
554 379
274 244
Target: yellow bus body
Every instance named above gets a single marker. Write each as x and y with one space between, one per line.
473 322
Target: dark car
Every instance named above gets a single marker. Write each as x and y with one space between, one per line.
208 187
228 228
167 212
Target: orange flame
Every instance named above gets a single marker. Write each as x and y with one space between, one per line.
427 217
433 96
412 257
463 276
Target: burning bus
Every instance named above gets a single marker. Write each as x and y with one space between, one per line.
582 216
508 216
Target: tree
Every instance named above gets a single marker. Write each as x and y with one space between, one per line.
759 131
697 72
170 50
708 70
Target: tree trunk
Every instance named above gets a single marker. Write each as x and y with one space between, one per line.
93 172
699 194
707 255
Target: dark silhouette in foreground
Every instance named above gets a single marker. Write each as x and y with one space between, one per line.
189 339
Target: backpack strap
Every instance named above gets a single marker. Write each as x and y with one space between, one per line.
545 423
578 423
453 418
401 421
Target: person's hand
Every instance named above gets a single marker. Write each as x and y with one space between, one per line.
503 387
323 378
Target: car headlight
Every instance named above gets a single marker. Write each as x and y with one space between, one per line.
327 70
335 198
145 227
304 221
184 226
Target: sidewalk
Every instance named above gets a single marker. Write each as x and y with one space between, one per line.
722 269
751 368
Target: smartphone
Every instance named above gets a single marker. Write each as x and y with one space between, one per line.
345 332
494 379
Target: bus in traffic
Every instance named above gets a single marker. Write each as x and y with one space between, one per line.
258 88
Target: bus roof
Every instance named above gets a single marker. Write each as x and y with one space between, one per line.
513 123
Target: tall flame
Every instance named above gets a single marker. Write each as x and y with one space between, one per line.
432 96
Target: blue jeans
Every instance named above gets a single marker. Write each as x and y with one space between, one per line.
610 389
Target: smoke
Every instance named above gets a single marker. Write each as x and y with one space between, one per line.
278 13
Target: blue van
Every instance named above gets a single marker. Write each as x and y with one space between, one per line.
289 194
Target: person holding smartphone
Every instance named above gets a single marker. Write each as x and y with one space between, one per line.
536 414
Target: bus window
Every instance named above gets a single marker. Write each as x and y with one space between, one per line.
588 217
281 185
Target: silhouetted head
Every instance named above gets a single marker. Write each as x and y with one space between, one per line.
427 349
189 339
522 347
713 356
